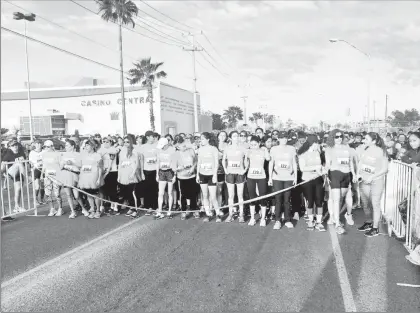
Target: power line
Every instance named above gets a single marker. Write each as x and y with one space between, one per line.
163 24
61 50
132 30
167 16
208 40
69 30
220 72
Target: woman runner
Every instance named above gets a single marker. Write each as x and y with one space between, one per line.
51 169
256 157
235 168
208 160
35 158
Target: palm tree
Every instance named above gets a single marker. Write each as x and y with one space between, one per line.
232 115
145 73
121 12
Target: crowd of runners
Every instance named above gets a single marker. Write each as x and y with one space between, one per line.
204 175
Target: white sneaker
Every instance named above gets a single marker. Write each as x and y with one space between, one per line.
252 222
277 225
289 225
72 215
52 212
330 221
296 216
263 223
349 219
85 212
59 212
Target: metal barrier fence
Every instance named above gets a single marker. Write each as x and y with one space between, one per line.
18 193
400 207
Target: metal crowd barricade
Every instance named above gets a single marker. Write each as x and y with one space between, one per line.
400 186
27 192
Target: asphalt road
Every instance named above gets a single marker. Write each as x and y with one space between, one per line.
174 265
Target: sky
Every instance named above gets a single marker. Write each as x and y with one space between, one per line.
277 53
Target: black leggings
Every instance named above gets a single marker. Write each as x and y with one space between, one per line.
126 192
188 189
110 186
314 192
282 199
150 190
262 190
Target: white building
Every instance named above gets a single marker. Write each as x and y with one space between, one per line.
97 109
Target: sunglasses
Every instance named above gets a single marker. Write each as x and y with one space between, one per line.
14 145
340 136
126 141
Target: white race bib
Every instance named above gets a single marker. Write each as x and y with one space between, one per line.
164 165
206 166
282 165
51 172
234 164
151 161
87 168
368 169
256 171
343 161
125 164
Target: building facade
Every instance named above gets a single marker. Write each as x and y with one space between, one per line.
98 109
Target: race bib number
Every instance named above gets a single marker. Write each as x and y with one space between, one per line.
256 171
206 166
283 165
343 161
234 164
368 169
51 172
151 161
19 159
164 165
125 164
87 168
39 163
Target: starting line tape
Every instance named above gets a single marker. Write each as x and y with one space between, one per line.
177 212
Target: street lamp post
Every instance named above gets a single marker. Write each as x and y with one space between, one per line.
368 77
27 18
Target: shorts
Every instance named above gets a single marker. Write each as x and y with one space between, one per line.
206 180
17 178
94 192
339 180
221 178
235 178
37 174
166 176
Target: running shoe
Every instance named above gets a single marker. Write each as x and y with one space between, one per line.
129 212
252 222
218 219
241 219
85 212
330 221
277 225
349 219
97 214
169 215
72 215
197 215
366 226
53 212
206 219
289 225
59 212
183 216
319 227
159 216
134 214
296 216
373 232
229 219
91 215
101 209
340 229
263 223
310 225
148 212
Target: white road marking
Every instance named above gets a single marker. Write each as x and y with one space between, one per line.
57 259
408 285
348 298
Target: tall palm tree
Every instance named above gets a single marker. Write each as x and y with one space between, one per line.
121 12
232 114
145 73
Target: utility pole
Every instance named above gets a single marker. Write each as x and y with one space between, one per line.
194 49
245 97
386 112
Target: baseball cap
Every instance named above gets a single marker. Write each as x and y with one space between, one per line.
13 142
48 143
282 134
149 133
162 142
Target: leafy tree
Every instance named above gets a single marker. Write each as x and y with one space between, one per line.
218 122
269 118
406 118
232 115
120 12
255 117
4 131
145 73
289 123
280 125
